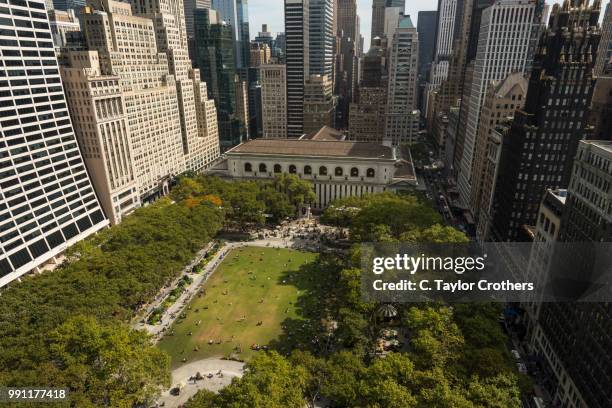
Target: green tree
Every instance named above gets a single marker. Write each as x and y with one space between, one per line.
270 381
436 234
107 366
500 391
298 190
202 399
435 338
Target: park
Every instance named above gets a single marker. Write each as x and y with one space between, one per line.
239 311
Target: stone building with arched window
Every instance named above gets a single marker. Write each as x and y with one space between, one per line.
337 168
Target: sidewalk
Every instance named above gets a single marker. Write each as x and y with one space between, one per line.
176 308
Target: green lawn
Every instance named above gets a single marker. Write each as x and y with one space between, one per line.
252 285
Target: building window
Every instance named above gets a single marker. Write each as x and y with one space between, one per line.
338 171
354 172
322 171
292 169
278 168
307 170
248 167
262 168
370 173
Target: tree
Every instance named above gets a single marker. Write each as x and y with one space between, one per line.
316 373
436 234
270 381
186 188
107 365
298 190
435 338
202 399
500 391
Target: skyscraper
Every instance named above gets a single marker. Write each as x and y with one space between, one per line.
571 339
347 19
501 100
367 112
297 22
604 53
507 25
63 23
235 13
445 35
274 101
171 40
216 60
426 28
402 124
190 6
322 38
601 108
542 143
138 125
47 202
66 5
319 103
378 15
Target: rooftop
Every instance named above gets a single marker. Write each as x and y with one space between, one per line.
326 133
314 147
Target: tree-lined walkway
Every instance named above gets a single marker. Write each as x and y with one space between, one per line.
176 308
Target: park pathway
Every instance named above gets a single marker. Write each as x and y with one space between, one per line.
172 313
223 371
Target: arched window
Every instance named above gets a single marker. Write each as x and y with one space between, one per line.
322 171
248 167
278 168
354 172
262 168
292 169
338 171
370 173
307 170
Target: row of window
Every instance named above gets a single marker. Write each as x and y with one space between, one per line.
338 171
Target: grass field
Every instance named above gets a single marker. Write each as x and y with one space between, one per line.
245 302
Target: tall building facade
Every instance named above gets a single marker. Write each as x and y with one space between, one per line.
171 40
62 23
367 114
426 28
378 15
501 101
215 59
573 338
503 48
445 36
146 117
66 5
297 57
319 103
604 53
260 55
601 108
322 38
542 142
190 7
235 13
47 202
274 101
347 19
402 123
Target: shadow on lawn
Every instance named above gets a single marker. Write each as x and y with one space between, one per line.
317 282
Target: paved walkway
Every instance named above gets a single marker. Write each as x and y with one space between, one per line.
223 371
176 308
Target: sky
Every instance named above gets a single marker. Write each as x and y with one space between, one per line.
271 12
